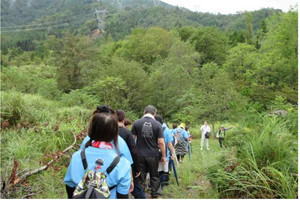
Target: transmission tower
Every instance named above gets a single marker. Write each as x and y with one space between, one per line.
156 2
101 15
119 3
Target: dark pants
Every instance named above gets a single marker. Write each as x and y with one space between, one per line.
70 191
164 178
150 164
221 140
138 192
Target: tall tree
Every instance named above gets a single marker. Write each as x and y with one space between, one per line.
249 28
72 55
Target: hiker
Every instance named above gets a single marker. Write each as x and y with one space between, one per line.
205 129
128 138
150 138
127 123
99 154
221 134
182 138
188 144
163 170
122 146
173 131
188 133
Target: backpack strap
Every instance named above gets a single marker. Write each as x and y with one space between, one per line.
111 167
113 164
83 159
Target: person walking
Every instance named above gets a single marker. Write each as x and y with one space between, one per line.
205 129
122 149
149 139
182 140
163 169
221 135
99 153
128 138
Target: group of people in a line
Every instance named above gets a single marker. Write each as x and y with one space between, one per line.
113 161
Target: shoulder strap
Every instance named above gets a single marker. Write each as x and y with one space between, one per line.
83 159
113 164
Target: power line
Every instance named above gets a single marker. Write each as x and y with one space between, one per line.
29 25
38 28
41 28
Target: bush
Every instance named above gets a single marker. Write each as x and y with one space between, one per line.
80 97
13 107
266 165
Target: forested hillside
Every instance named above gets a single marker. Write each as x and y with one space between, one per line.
57 66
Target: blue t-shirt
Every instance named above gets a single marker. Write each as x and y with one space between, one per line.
168 139
120 176
188 134
173 131
123 148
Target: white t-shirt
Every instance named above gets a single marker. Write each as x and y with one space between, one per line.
205 129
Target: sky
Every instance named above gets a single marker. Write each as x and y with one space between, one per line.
231 6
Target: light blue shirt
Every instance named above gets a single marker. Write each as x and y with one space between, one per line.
168 139
119 176
123 148
173 131
188 134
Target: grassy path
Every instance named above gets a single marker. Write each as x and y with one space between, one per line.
193 183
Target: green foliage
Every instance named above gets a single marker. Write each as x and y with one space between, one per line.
31 79
51 85
211 43
80 97
146 45
73 57
13 107
265 163
134 76
111 91
249 28
241 63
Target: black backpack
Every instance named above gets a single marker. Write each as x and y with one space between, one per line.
93 185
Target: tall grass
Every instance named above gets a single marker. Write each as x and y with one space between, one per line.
266 164
40 127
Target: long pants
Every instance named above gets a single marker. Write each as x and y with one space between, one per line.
202 141
221 140
70 191
150 164
138 192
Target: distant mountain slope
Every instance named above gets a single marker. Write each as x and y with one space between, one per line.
78 17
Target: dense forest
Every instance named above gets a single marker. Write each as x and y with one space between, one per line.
57 65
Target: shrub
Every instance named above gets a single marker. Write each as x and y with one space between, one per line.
12 107
266 165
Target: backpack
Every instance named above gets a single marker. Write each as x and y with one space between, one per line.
93 185
178 135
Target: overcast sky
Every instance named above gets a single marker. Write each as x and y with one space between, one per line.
231 6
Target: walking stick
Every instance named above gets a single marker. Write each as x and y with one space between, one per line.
176 158
175 172
189 151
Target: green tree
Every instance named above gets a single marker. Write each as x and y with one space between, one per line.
112 91
241 63
73 55
211 43
249 28
146 45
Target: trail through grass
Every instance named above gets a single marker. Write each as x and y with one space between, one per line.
193 183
